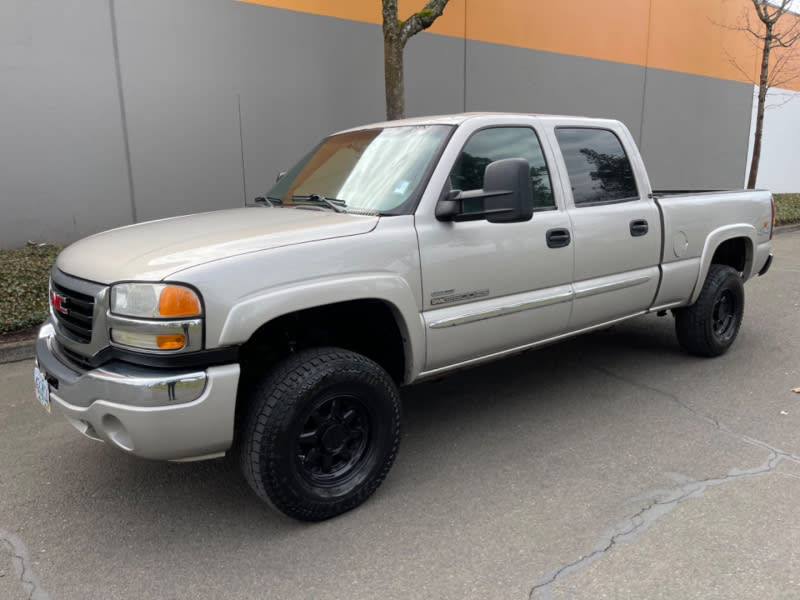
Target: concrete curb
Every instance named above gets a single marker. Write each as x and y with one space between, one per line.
24 349
14 351
787 228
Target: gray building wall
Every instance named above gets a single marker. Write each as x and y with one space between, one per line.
160 107
62 163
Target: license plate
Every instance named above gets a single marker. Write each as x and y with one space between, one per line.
42 388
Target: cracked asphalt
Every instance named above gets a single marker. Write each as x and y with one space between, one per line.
609 466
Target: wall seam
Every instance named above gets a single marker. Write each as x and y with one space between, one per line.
241 148
122 111
466 12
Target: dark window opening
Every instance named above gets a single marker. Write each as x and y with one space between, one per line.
598 168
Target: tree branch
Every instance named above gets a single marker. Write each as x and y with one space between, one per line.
422 20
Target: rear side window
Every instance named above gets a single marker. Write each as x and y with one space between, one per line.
599 170
488 145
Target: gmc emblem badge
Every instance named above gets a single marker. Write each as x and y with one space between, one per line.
59 302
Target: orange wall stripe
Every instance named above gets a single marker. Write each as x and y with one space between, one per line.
617 32
369 11
693 37
689 36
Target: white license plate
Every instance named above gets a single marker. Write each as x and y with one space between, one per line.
42 388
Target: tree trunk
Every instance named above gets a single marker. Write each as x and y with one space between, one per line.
762 100
395 35
393 74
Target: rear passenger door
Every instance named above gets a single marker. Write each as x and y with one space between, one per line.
615 226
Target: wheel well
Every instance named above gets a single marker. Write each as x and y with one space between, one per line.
735 253
368 327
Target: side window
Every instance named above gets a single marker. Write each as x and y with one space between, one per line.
489 145
598 168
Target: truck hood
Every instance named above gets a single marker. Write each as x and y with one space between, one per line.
154 250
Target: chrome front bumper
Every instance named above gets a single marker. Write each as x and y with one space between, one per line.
152 413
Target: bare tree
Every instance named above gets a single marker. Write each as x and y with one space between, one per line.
395 35
774 37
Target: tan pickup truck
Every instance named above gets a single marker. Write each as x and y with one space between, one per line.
390 253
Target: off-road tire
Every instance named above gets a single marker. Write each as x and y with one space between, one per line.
710 326
320 409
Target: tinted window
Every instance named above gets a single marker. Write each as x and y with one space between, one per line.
599 169
489 145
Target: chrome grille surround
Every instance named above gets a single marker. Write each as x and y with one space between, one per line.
83 331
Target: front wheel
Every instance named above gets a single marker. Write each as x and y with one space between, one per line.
322 432
710 326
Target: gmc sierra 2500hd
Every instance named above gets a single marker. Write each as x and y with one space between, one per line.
390 253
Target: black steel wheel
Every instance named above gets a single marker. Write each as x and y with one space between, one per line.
322 433
710 326
334 439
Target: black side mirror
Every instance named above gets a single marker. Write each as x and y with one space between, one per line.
506 194
509 182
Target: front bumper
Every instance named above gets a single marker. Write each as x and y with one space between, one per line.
152 413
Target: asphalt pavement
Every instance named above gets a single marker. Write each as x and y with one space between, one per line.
609 466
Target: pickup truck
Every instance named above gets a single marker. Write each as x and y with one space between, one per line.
389 254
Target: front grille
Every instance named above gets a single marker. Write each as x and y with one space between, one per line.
76 314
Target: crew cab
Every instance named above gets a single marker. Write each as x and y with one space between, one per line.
389 254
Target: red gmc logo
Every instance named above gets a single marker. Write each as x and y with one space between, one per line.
59 302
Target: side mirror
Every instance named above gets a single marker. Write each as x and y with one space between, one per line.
506 194
509 183
280 176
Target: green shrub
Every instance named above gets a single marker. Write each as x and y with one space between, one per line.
24 274
787 208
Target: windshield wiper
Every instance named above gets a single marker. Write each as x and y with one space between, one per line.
268 201
334 203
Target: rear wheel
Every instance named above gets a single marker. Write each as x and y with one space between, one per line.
710 326
322 432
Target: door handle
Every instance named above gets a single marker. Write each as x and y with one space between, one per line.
639 227
558 238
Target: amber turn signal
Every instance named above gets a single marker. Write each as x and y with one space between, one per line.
172 341
178 301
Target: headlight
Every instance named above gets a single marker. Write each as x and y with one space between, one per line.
154 301
156 317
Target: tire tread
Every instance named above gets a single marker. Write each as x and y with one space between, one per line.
692 323
275 397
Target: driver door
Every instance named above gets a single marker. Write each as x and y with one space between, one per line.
494 287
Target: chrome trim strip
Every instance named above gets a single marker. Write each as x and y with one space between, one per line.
181 388
192 328
500 311
667 306
495 355
611 287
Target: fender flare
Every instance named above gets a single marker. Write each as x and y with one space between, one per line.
257 309
713 241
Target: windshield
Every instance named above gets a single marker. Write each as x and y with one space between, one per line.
374 169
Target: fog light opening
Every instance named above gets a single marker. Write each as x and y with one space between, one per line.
116 432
